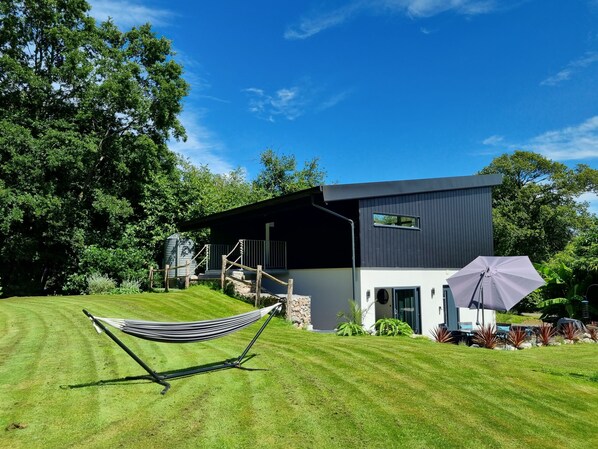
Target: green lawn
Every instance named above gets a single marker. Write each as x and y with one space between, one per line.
305 389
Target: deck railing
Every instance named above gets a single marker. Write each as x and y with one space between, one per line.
270 255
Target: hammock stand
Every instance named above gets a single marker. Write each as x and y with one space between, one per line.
182 332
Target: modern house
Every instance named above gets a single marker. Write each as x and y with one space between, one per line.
388 245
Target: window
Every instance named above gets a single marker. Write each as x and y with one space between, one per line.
397 221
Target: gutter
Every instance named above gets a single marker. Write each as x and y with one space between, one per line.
342 217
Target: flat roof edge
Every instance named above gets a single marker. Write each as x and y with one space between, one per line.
390 188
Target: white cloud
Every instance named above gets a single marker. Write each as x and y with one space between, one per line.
289 103
592 200
127 13
493 140
202 146
566 144
571 69
317 22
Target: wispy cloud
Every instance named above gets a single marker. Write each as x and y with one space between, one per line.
202 146
493 140
566 144
290 103
319 21
571 69
126 13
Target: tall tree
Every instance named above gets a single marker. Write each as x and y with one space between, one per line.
86 114
536 210
280 175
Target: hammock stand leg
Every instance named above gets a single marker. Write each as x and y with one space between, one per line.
239 360
155 377
235 363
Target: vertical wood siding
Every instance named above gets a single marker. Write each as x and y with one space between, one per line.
455 228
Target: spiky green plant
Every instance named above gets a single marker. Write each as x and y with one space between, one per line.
353 324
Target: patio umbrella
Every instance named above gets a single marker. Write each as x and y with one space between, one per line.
494 283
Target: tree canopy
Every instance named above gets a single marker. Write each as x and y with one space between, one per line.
86 114
280 176
536 210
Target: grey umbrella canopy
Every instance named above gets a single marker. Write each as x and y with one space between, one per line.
494 283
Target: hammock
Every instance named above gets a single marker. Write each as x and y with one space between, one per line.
187 332
184 332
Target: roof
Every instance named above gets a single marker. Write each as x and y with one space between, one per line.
342 192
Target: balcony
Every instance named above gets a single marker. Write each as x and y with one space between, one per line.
270 254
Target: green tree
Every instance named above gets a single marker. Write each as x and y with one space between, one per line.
569 274
280 175
87 111
536 210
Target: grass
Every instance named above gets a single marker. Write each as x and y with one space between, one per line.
512 318
305 389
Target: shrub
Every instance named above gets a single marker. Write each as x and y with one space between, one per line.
545 334
593 331
570 332
486 337
98 284
117 263
442 335
516 337
349 329
353 324
392 327
128 287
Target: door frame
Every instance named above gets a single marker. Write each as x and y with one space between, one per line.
417 306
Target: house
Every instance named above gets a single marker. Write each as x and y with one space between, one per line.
389 245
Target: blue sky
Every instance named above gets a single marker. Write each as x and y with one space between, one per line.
381 89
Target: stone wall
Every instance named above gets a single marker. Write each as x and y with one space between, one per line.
299 311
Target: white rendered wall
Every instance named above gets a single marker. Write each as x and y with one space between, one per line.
431 307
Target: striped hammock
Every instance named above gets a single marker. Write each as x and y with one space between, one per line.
185 332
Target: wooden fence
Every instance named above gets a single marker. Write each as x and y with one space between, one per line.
167 277
260 274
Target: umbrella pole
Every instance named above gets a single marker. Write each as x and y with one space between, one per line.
482 290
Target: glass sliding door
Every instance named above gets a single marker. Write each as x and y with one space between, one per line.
406 307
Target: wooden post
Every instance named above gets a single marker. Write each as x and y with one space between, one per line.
187 273
166 270
151 277
289 298
258 285
223 273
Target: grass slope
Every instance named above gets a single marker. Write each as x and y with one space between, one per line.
306 389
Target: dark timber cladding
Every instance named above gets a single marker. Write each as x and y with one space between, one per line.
455 228
454 216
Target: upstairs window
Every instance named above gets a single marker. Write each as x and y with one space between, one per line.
396 221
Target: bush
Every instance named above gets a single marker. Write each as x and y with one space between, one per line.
349 329
392 327
442 335
486 337
354 323
128 287
119 264
99 284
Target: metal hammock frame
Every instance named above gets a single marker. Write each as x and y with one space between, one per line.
184 332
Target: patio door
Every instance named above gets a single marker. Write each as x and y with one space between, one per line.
451 312
406 307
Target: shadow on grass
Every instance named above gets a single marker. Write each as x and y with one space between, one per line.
580 376
169 375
